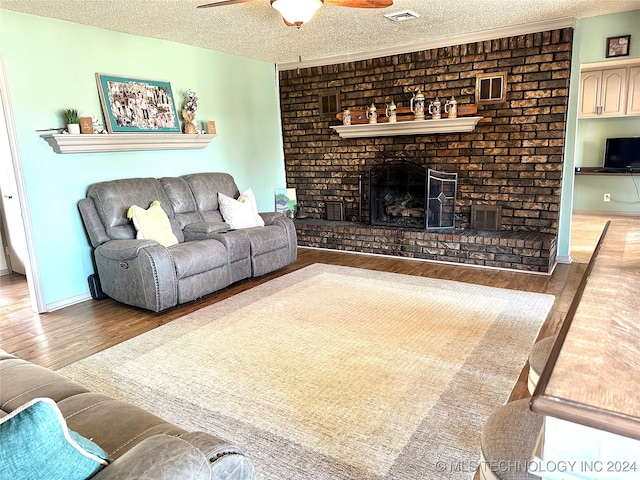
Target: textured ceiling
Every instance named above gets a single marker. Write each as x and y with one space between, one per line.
256 30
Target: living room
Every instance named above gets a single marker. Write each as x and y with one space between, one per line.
242 96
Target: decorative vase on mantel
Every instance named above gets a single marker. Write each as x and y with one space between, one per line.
189 126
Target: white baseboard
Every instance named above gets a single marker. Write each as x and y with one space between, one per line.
67 302
564 259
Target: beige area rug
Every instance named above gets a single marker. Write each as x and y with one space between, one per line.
335 372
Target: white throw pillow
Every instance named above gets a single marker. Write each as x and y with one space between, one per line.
240 213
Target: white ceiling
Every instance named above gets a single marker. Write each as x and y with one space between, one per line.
257 31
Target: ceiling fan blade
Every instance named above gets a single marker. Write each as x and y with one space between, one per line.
223 2
360 3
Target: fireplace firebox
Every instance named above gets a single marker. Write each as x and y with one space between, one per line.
407 195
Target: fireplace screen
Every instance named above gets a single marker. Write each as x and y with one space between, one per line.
441 199
407 195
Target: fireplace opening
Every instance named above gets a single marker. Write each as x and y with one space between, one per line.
403 194
398 193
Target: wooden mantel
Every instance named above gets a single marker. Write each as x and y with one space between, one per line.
411 127
125 142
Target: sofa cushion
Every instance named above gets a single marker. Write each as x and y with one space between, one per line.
36 443
112 200
191 258
29 381
182 201
205 188
152 224
240 213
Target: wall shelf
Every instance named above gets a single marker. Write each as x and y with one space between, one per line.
604 171
125 142
411 127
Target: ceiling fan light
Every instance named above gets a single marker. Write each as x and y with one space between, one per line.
296 12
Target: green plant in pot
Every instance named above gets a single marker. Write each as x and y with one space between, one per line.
71 117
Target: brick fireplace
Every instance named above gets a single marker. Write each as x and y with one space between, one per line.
511 160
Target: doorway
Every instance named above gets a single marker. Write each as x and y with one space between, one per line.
16 237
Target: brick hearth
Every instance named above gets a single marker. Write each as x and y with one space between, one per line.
513 158
527 251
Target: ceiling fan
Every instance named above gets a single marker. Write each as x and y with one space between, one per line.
296 12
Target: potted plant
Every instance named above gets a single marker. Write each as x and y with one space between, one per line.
72 119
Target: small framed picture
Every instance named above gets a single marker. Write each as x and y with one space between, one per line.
211 127
86 125
618 46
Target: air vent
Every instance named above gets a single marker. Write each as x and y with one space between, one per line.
486 217
335 211
402 16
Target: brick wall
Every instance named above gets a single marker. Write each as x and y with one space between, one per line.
513 158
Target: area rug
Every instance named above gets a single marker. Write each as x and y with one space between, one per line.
335 372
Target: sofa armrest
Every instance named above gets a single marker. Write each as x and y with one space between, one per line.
270 217
276 218
227 461
124 249
92 222
141 273
193 456
161 457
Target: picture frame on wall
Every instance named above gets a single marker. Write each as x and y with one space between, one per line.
132 105
618 46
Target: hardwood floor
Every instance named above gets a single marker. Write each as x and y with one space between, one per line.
62 337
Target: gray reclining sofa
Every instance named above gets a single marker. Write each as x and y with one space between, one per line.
209 256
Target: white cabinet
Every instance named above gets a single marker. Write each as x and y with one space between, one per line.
603 93
633 96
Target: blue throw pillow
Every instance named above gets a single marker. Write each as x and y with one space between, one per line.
36 443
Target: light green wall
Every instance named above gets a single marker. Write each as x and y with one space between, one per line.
591 133
589 44
51 65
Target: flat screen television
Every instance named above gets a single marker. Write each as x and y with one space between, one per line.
622 153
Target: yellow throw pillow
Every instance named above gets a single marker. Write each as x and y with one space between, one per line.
152 224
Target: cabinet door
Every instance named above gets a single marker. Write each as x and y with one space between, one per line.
589 94
633 103
613 94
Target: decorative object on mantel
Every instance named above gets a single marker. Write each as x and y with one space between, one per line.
434 109
618 46
72 120
189 112
426 127
372 114
391 112
417 105
403 114
346 117
132 105
86 125
451 107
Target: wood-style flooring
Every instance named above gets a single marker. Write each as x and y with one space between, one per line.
58 338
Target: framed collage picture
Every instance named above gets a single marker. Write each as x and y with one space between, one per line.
135 105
